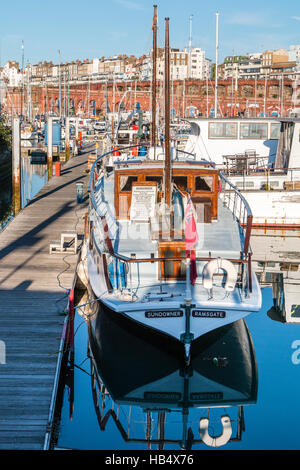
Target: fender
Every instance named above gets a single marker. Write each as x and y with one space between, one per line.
212 266
215 441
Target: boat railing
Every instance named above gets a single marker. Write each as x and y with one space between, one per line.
238 205
125 273
94 174
232 198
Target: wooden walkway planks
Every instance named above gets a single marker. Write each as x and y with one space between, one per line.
33 295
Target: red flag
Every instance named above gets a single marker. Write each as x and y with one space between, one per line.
191 238
193 267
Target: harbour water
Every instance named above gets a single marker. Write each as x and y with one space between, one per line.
33 179
265 419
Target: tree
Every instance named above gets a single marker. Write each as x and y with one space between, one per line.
5 136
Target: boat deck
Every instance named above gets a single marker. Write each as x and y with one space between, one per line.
217 239
33 296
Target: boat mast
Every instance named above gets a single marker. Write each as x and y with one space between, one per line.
167 117
154 57
216 69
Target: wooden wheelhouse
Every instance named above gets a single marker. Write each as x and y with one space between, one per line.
200 182
197 181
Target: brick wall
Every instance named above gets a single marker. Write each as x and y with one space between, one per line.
191 93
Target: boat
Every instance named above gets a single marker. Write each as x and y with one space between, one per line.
276 261
167 402
168 245
260 157
27 133
38 157
226 140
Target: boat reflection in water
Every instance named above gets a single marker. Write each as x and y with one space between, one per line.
276 261
155 399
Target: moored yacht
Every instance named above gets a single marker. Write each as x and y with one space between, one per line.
181 269
169 243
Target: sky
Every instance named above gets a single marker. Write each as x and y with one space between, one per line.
82 29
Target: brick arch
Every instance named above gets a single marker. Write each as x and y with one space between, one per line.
247 91
221 90
274 91
287 91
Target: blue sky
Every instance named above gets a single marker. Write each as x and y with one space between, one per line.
94 28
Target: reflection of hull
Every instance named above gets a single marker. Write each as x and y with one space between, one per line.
138 370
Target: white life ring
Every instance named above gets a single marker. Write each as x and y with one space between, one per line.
212 266
215 441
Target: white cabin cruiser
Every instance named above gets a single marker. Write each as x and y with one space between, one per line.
217 138
265 167
146 264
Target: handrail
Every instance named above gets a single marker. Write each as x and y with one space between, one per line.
115 149
245 216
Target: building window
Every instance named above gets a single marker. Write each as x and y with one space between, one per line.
253 131
222 130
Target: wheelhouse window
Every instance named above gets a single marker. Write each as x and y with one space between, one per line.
222 130
156 179
181 182
126 182
253 130
204 183
275 130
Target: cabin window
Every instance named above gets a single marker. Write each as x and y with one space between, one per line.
295 310
203 183
253 130
244 184
155 179
169 265
275 130
175 270
288 267
126 182
180 182
222 130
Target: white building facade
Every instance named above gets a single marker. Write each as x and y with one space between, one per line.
11 74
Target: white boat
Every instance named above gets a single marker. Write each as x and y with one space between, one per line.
265 167
218 139
138 263
27 133
169 244
155 400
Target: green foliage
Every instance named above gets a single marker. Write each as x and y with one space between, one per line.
5 136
